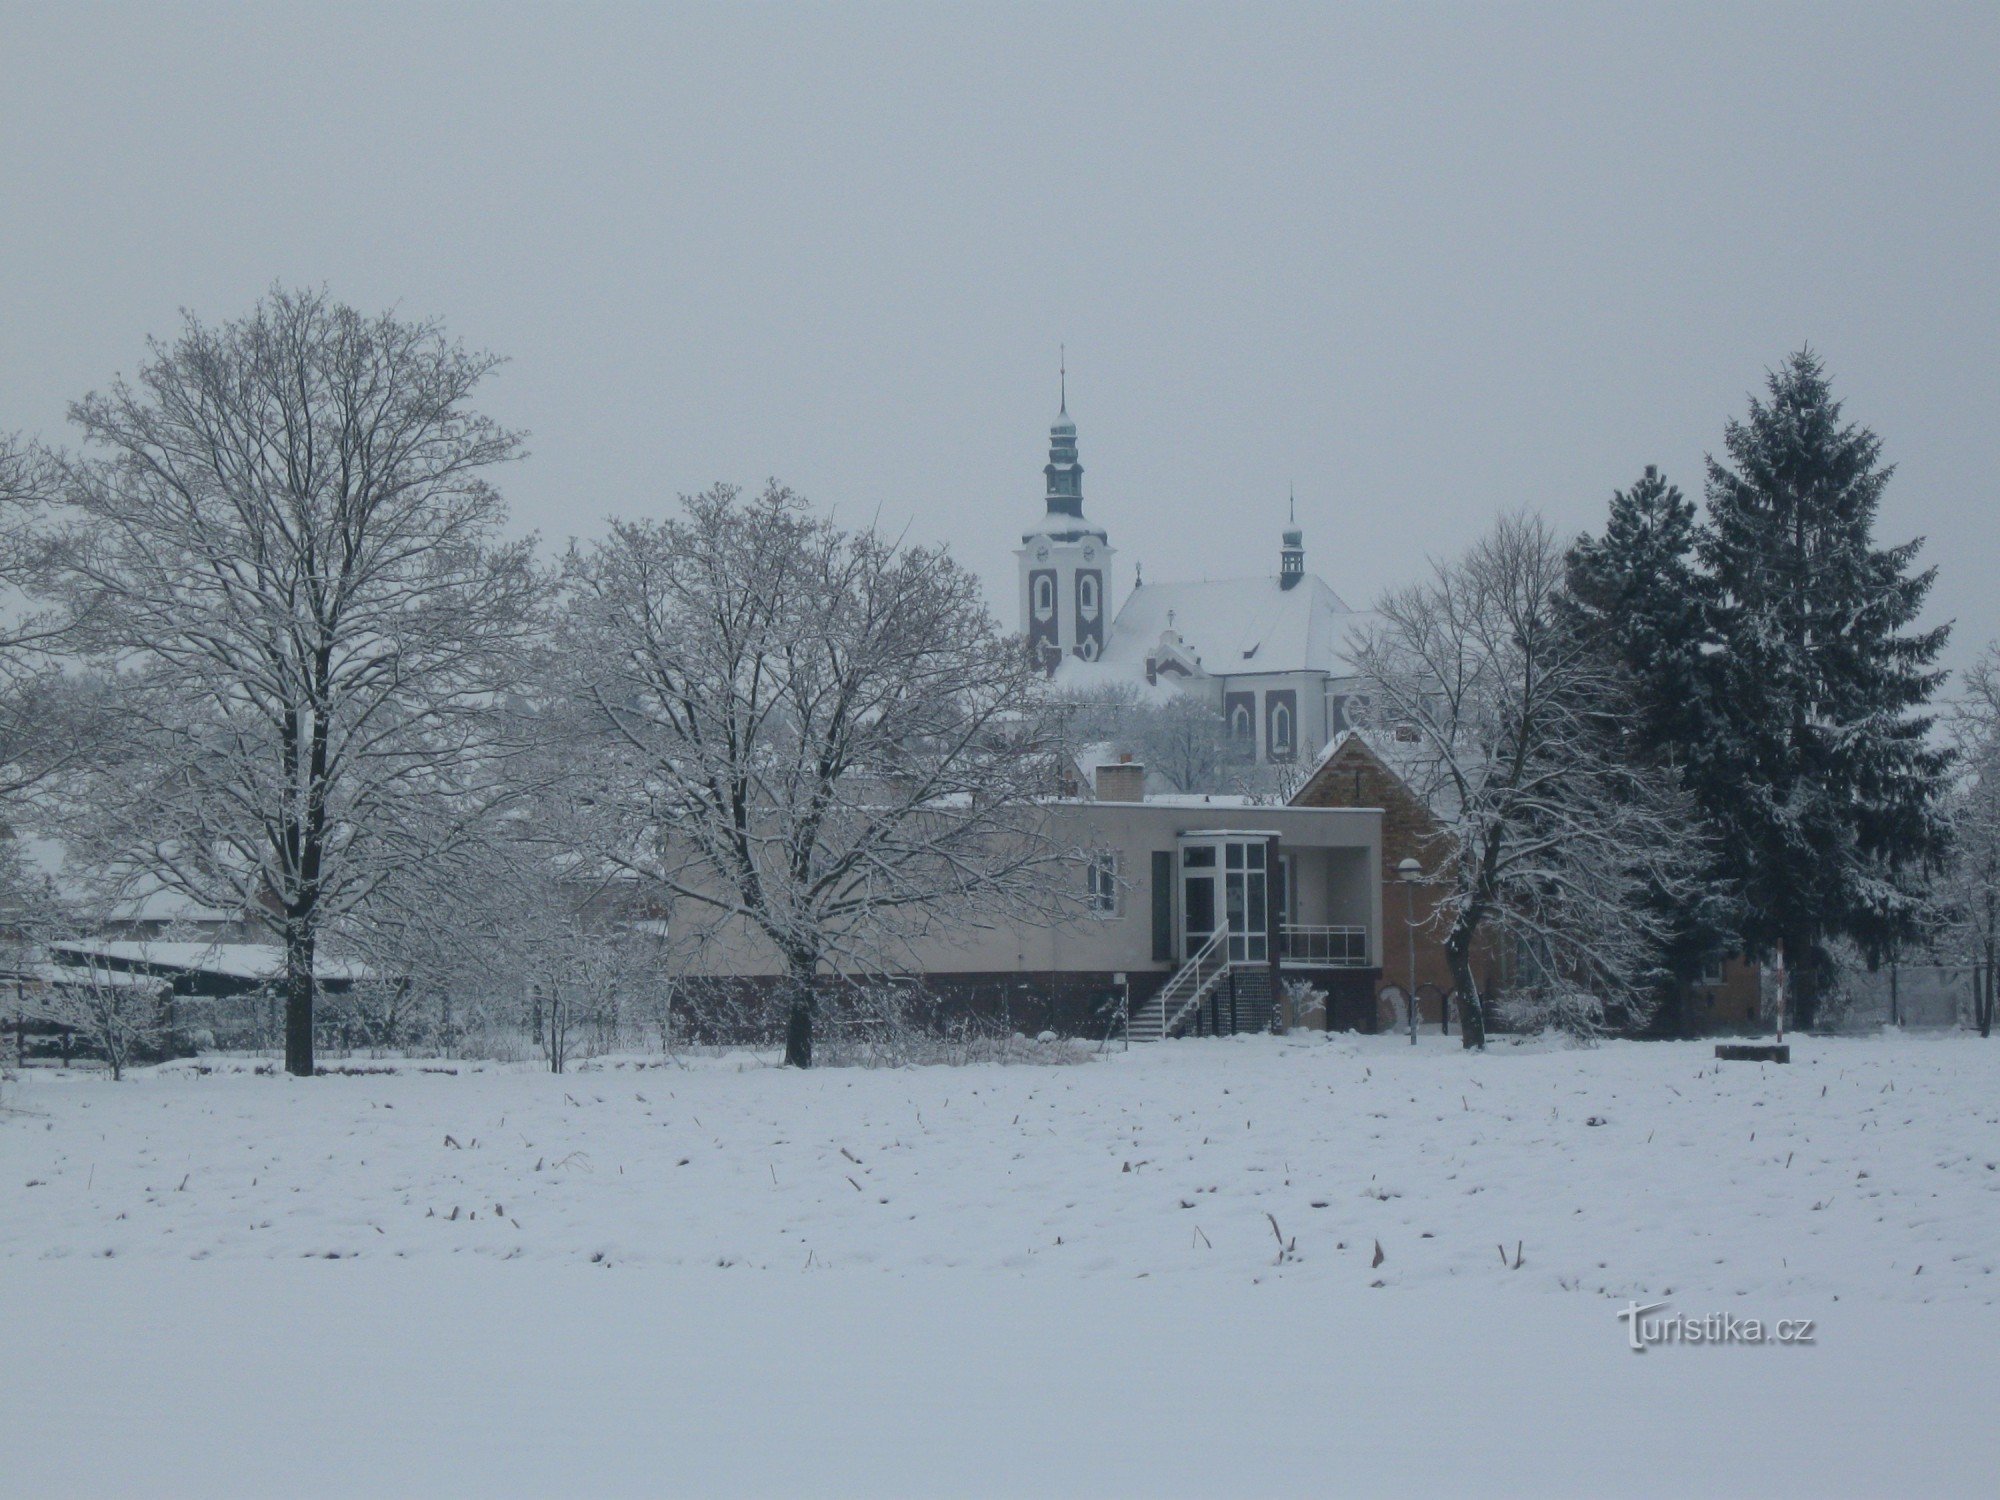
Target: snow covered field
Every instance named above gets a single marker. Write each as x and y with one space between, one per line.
1150 1273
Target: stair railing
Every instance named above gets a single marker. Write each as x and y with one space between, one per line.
1191 983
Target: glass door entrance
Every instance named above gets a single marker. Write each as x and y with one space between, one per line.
1198 897
1225 884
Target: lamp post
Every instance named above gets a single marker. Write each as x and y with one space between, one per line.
1410 872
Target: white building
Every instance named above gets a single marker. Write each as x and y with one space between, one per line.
1267 653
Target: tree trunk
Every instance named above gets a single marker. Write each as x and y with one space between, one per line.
1802 984
799 1025
300 943
1982 992
1471 1009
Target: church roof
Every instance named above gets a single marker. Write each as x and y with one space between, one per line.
1238 625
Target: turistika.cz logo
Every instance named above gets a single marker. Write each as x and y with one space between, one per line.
1642 1332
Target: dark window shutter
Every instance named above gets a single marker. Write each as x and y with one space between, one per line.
1163 906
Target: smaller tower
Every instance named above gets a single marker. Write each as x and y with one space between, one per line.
1292 554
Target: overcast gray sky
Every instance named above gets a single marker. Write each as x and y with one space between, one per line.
1426 262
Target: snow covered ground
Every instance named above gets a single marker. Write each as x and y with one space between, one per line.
1151 1273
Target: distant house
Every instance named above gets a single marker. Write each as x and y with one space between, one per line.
1193 912
214 972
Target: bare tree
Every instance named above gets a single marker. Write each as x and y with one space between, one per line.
1971 879
46 722
1505 724
816 738
1187 741
293 560
1182 738
115 1012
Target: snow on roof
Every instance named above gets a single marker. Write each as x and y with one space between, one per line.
232 960
1237 625
1075 675
141 897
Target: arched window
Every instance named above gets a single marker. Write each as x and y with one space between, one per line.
1086 596
1281 729
1045 596
1239 723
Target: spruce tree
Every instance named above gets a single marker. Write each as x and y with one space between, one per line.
1635 595
1817 766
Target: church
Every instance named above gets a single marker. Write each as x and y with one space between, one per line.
1267 653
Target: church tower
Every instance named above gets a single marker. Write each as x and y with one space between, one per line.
1292 551
1065 562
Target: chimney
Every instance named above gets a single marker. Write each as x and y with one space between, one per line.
1124 782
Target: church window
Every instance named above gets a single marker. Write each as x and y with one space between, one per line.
1281 729
1045 597
1239 722
1086 596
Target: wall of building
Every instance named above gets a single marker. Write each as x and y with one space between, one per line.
1307 692
1344 846
1354 777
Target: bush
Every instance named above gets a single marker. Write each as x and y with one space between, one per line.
894 1026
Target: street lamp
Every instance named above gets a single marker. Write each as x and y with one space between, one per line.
1410 872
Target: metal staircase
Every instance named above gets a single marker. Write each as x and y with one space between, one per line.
1204 980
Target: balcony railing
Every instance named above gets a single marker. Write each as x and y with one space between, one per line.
1323 947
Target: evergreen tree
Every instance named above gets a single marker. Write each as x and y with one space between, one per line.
1818 766
1636 593
1635 596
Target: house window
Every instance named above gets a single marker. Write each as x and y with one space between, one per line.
1103 877
1711 969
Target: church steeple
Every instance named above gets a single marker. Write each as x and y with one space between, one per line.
1065 474
1292 553
1065 561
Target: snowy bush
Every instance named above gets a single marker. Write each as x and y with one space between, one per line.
890 1026
1575 1013
1305 1004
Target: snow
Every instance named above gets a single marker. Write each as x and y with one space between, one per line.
143 898
1236 625
726 1277
234 960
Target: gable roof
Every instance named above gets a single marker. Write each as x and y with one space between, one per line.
1403 762
1237 625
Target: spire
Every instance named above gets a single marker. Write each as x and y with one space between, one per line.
1065 474
1292 551
1062 378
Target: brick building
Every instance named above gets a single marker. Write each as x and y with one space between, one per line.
1353 773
